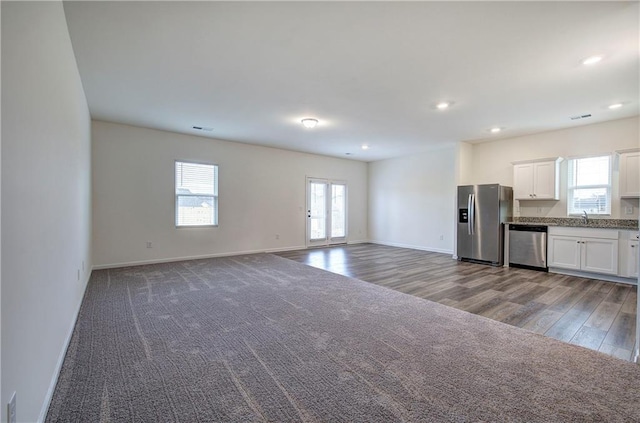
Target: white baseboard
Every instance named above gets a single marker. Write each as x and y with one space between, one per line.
280 250
359 241
413 247
62 355
203 256
598 276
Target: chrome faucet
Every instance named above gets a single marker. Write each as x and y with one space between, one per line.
585 217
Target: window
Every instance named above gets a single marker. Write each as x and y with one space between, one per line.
589 185
196 194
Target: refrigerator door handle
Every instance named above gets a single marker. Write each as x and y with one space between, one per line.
472 214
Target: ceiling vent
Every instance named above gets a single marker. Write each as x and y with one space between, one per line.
580 117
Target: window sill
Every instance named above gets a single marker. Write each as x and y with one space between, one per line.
195 226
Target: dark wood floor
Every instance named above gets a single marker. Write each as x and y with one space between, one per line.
592 313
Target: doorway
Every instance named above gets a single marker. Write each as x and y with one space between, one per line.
326 212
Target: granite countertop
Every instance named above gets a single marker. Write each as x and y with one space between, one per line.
624 224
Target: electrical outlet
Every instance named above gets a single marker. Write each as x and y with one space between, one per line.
628 210
83 265
539 210
277 236
441 237
149 244
11 410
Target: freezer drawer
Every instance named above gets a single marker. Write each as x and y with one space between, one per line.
528 247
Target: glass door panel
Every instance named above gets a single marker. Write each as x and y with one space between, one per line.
338 211
326 212
317 211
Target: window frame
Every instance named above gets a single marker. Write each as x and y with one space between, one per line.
571 189
215 196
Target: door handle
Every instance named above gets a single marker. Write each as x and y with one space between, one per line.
472 213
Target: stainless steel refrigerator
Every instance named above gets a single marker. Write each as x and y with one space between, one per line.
482 212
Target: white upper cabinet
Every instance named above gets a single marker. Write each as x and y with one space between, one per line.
630 174
537 179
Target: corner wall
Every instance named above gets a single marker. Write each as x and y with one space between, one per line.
412 201
46 200
262 192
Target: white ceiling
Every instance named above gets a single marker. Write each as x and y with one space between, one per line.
371 72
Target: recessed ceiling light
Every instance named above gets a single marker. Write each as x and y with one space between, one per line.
365 147
443 105
591 60
495 130
615 106
309 122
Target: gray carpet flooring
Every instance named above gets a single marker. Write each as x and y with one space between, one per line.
260 338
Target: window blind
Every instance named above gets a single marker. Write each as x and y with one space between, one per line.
196 194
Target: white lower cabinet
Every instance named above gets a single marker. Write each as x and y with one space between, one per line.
600 255
632 259
588 250
564 252
629 255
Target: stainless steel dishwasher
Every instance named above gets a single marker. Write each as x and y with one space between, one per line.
528 246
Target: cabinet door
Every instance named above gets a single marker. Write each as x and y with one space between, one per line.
600 255
564 252
544 186
630 175
523 181
632 259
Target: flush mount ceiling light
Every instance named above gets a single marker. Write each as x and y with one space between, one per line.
365 147
591 60
309 123
615 106
495 130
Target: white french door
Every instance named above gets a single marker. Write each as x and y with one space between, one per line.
326 212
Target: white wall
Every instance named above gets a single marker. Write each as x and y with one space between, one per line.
261 194
0 229
46 198
492 160
412 200
464 164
